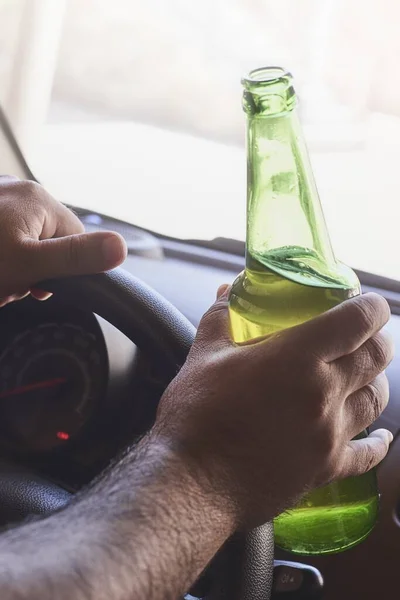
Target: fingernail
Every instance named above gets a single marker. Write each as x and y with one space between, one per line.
390 436
113 250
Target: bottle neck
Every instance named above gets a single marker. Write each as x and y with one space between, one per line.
285 223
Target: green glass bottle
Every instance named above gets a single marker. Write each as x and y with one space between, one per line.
291 276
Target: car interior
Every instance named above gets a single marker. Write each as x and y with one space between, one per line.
106 347
107 359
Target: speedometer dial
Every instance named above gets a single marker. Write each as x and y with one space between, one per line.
52 378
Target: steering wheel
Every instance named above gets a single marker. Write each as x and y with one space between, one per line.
242 570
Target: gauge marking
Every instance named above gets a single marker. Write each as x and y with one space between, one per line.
51 384
39 385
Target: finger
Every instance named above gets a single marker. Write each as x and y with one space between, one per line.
363 455
214 327
6 300
346 327
363 365
13 298
73 255
40 295
223 291
363 407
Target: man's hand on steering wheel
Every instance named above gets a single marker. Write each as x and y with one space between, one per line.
41 239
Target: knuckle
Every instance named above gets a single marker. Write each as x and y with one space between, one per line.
29 195
25 190
380 350
318 389
370 308
377 397
364 312
365 407
28 188
371 403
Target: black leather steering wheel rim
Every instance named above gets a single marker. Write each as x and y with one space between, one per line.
141 313
243 569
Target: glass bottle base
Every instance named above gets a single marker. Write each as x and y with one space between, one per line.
325 551
322 530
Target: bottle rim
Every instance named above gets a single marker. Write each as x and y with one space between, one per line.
266 75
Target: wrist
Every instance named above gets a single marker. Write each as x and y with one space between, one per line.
204 480
180 512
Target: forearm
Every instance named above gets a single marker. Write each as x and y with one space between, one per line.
145 530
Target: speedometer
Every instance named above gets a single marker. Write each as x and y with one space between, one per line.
52 378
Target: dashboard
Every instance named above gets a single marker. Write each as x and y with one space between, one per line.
74 391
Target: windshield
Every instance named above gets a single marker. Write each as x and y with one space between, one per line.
133 109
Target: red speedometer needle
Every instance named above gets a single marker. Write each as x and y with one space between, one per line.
38 385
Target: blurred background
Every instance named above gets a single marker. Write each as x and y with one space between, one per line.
134 108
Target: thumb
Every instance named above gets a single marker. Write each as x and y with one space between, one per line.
214 327
80 254
223 291
362 455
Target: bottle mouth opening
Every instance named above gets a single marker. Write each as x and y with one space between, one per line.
268 91
266 75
